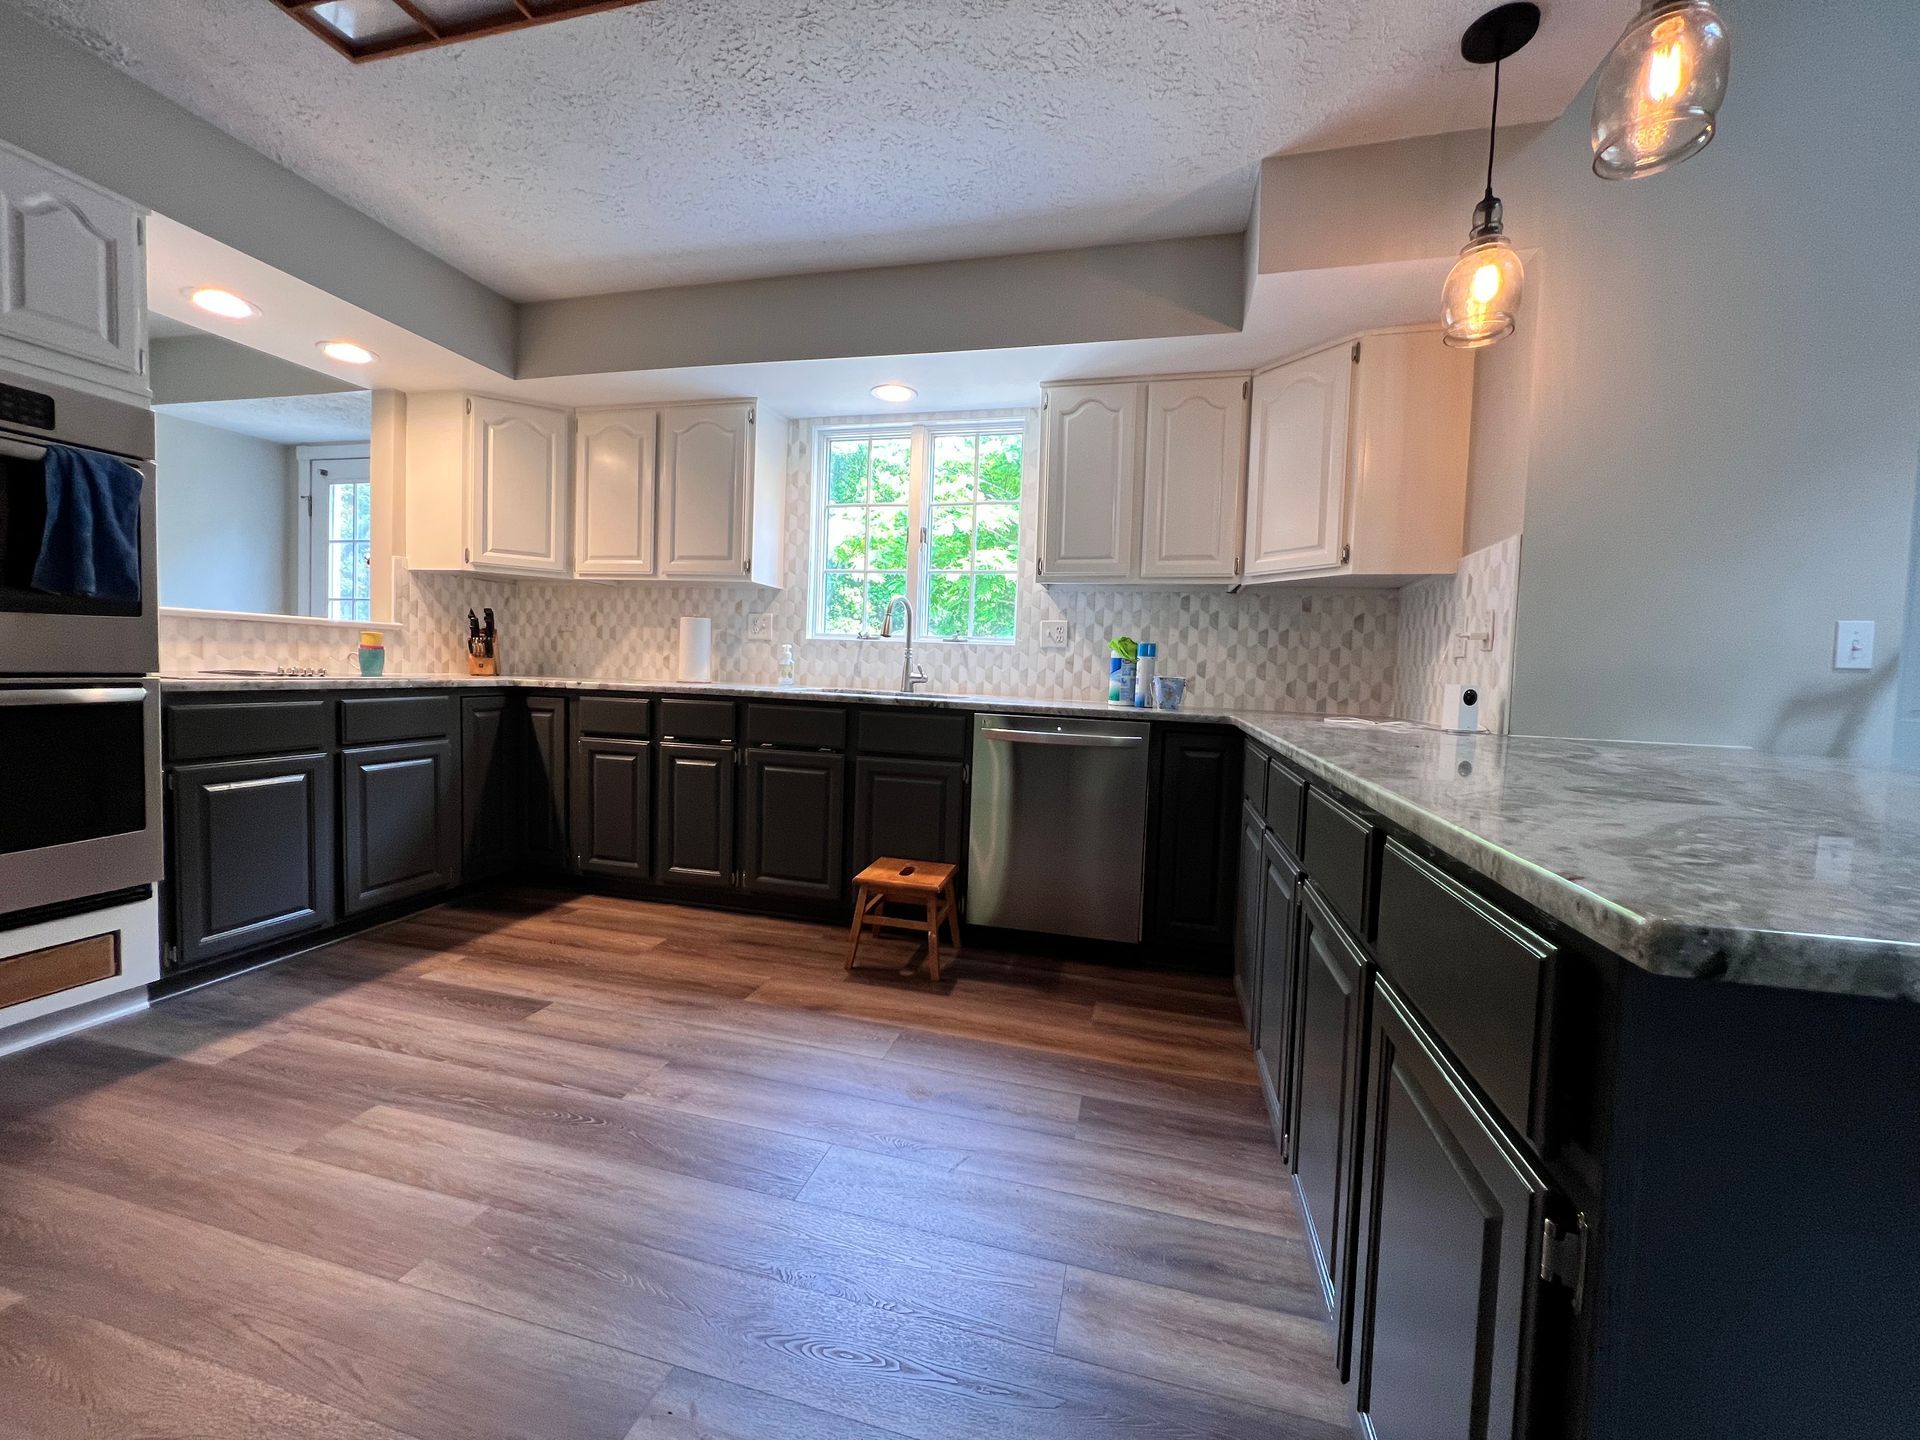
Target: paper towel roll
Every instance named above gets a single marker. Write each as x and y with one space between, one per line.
696 647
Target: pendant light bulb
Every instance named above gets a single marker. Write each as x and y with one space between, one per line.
1658 97
1481 298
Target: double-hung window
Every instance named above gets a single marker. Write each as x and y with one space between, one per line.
929 511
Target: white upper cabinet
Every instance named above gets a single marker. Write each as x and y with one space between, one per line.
73 278
614 455
1195 478
488 485
1090 474
1357 461
722 491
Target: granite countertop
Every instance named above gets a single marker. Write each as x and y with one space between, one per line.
1693 861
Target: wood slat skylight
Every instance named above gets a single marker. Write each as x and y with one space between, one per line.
365 30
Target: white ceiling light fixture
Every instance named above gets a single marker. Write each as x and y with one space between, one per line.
894 393
347 353
1657 101
1482 293
224 303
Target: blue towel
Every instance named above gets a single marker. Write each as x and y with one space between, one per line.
91 546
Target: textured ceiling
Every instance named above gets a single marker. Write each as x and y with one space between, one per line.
287 419
685 141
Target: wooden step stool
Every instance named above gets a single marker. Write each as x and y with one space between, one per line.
927 884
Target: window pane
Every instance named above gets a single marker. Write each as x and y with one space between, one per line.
847 472
952 547
993 607
363 511
846 540
1000 467
881 591
999 530
339 512
340 567
892 457
887 536
947 599
952 469
844 598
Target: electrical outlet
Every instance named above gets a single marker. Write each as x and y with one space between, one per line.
1055 634
760 627
1853 645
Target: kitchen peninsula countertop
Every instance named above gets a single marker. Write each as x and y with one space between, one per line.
1714 864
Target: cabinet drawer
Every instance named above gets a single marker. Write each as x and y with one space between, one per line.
697 719
386 718
618 718
1477 978
1286 804
1253 778
797 727
245 728
937 736
1340 853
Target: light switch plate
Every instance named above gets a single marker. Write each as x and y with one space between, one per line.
1055 634
1853 645
760 627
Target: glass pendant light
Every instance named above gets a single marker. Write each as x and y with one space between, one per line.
1482 293
1657 97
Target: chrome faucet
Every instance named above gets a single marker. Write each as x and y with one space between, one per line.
910 673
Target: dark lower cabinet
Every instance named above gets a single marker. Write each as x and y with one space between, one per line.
1246 928
1445 1285
1328 1059
1193 870
612 807
400 822
792 825
911 809
1278 881
543 778
694 832
250 854
489 789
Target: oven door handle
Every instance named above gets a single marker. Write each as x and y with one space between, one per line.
76 695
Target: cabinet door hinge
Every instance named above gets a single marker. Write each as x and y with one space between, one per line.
173 955
469 405
1356 352
746 567
1563 1255
1246 390
139 229
1346 554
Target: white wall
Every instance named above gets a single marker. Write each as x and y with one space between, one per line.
226 519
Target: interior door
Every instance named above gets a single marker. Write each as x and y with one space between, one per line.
706 479
1297 464
614 472
520 461
1195 479
1090 481
339 538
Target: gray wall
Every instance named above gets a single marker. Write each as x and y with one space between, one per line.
1725 401
226 519
190 368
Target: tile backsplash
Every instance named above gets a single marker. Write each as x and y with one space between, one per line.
1359 652
1435 613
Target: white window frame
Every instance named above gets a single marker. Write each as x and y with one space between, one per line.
311 576
919 515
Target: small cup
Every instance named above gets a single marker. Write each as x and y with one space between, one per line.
1169 691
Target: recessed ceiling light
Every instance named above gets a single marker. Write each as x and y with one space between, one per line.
894 393
347 353
224 303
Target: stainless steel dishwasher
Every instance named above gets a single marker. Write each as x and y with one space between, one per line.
1059 826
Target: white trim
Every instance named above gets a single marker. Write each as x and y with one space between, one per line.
175 612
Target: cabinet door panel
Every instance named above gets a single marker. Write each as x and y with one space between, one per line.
1193 853
792 824
1090 483
72 269
614 505
1195 479
1449 1211
543 796
1329 1049
706 480
400 822
1246 935
520 487
251 857
1297 464
909 809
1278 877
488 787
695 840
613 807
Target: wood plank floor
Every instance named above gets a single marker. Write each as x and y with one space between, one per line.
557 1166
